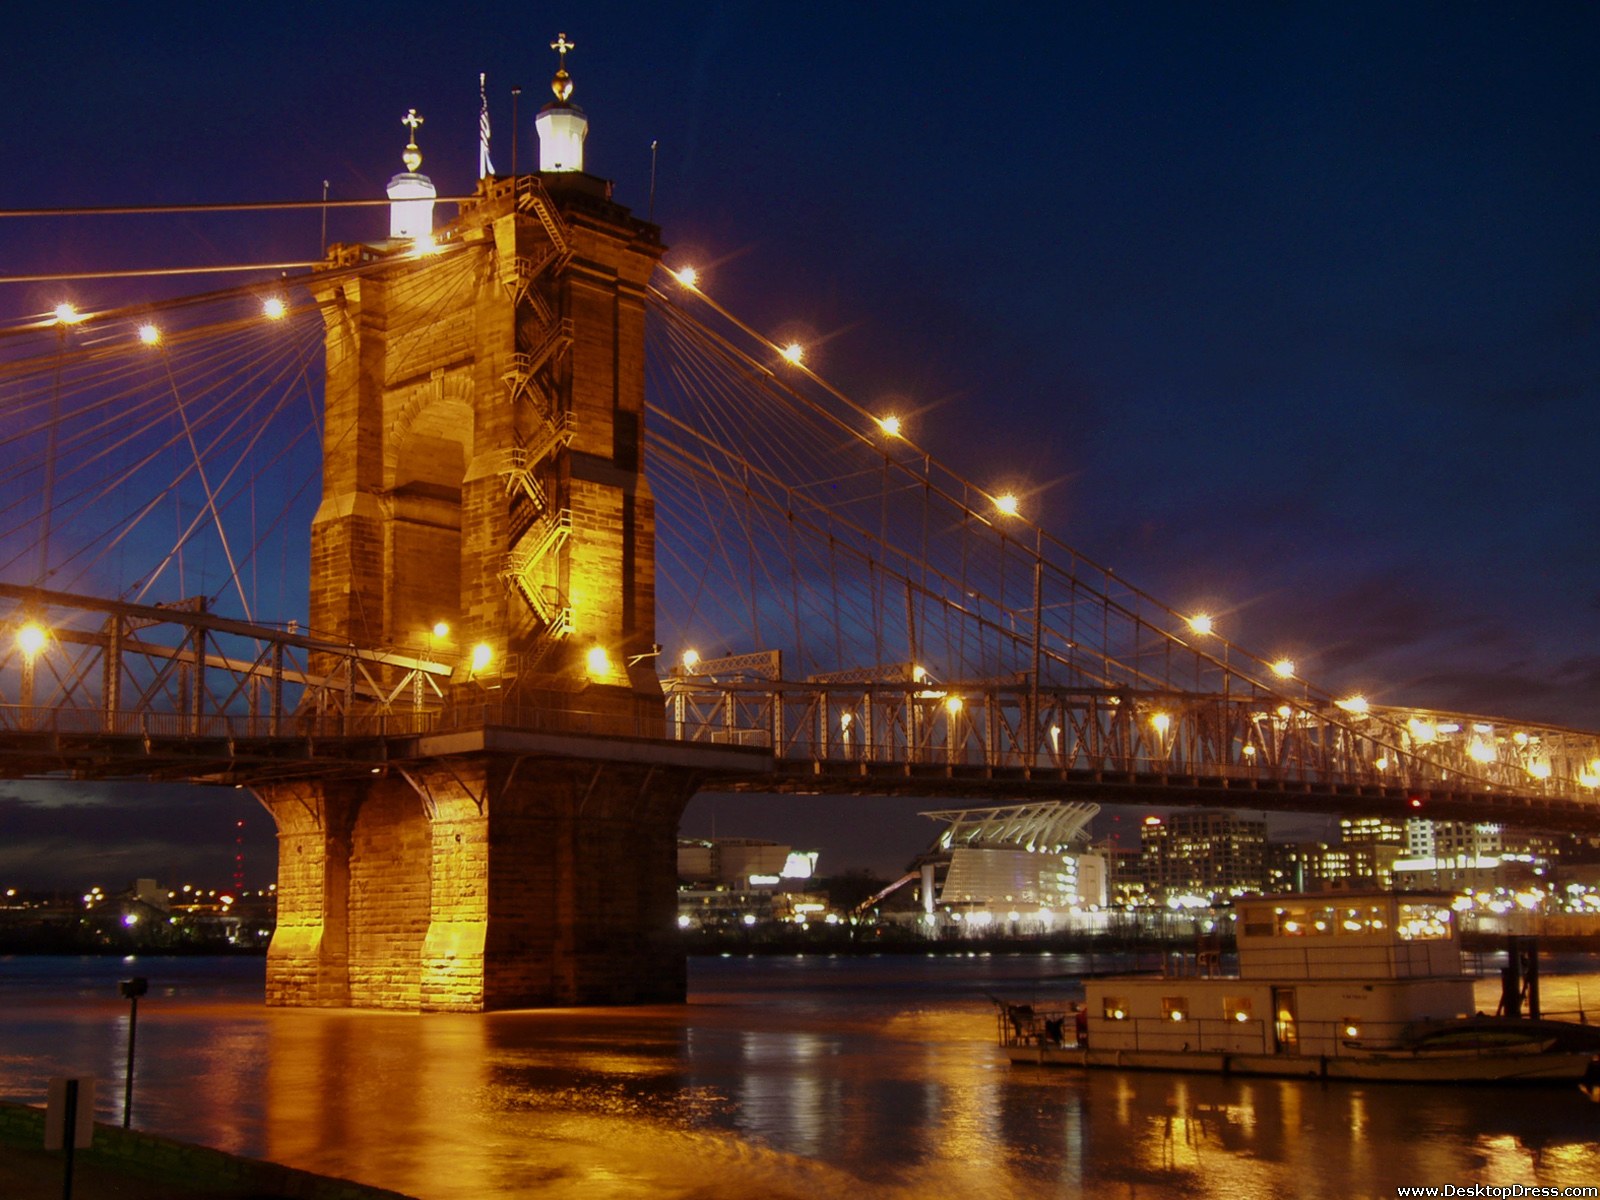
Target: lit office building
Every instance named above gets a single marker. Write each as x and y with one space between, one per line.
1208 854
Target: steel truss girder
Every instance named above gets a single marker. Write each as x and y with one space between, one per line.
1276 742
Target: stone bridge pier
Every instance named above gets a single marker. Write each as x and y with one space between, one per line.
479 882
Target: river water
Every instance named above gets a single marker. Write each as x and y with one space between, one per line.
810 1077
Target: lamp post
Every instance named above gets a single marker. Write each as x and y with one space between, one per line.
132 989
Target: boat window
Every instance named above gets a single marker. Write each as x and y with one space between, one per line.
1237 1009
1424 922
1364 918
1175 1008
1115 1009
1304 920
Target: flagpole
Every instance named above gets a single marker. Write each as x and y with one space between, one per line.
485 164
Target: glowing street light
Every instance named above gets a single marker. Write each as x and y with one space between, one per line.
794 352
149 334
687 276
1353 704
482 656
67 313
598 661
691 659
1200 623
441 630
1283 668
31 639
890 425
274 309
1161 722
1007 504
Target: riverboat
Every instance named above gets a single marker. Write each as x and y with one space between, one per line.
1364 986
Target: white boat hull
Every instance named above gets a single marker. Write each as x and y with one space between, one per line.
1393 1067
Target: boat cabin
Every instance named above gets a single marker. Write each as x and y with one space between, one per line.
1316 973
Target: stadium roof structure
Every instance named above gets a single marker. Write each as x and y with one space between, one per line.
1047 827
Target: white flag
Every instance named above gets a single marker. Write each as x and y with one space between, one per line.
485 166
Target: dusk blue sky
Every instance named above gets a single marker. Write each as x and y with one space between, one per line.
1287 312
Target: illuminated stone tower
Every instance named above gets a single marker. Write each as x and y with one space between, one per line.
484 508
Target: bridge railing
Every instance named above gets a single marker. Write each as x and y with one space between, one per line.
1171 735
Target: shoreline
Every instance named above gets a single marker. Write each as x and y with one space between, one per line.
119 1160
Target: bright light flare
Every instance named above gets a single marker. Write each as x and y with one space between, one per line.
31 639
1480 751
794 352
691 659
441 630
1284 668
1422 731
953 705
598 661
1353 704
67 313
890 425
150 334
482 656
274 309
1007 503
1161 722
687 276
1201 623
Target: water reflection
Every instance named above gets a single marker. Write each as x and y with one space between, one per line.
816 1078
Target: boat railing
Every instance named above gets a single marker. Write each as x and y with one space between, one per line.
1025 1025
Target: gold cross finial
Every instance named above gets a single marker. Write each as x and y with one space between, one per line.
412 157
561 46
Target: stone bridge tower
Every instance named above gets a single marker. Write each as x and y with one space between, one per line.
484 506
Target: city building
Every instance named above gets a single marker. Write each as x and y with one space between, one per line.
744 881
1203 855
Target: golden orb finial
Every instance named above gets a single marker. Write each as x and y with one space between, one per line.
412 156
561 85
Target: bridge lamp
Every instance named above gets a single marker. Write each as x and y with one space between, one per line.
1354 704
1200 623
953 705
31 639
687 276
274 309
890 425
598 661
1161 722
1480 751
1249 751
794 352
149 334
482 656
1284 668
441 630
1539 770
1007 503
66 313
691 659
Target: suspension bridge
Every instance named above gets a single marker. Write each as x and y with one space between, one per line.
833 601
583 542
